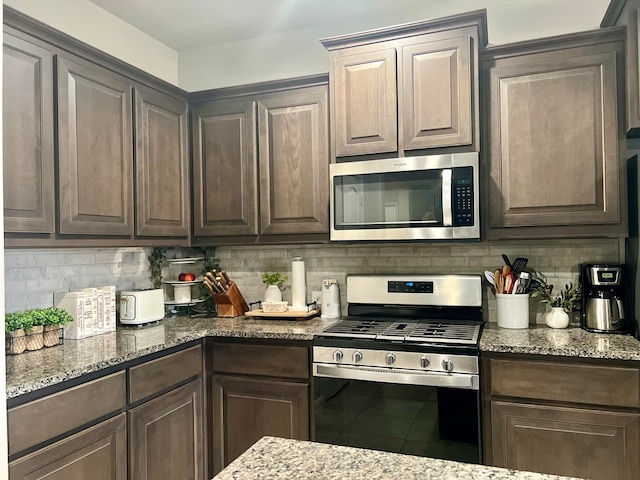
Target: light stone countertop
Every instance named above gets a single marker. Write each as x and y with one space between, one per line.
279 458
566 342
31 371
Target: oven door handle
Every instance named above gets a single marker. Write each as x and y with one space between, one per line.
409 377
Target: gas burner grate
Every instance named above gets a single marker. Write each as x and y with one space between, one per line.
407 331
358 328
464 333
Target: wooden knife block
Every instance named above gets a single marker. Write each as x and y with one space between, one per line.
231 303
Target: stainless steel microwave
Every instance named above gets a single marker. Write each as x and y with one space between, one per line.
414 198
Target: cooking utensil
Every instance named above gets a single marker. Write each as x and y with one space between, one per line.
497 275
516 286
508 283
524 281
506 260
519 263
490 277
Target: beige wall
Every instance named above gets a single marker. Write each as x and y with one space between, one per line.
298 52
91 24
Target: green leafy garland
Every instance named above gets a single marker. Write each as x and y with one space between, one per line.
157 260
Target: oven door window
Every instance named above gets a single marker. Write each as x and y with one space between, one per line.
388 200
410 419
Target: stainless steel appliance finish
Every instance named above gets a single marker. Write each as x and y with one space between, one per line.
412 198
439 290
406 357
603 298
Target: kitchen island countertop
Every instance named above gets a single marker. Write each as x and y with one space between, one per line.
32 371
566 342
272 457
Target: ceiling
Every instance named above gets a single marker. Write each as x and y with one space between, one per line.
187 24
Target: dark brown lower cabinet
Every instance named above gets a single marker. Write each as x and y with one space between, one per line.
562 416
566 441
98 452
246 409
166 436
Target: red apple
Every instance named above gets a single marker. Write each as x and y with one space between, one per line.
189 277
182 276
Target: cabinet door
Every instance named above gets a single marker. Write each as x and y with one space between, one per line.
27 131
436 94
294 162
162 169
99 453
224 169
245 410
364 102
553 148
564 441
95 151
627 13
166 436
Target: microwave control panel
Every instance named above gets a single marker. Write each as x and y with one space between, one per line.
463 203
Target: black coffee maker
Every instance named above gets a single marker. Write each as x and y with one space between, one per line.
603 301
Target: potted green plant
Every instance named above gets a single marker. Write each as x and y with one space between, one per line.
14 331
54 319
559 305
34 328
274 282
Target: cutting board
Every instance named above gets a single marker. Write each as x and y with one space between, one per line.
288 315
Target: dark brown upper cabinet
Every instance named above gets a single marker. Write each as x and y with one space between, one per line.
74 122
407 89
95 150
626 13
552 146
28 148
224 168
293 158
261 162
162 165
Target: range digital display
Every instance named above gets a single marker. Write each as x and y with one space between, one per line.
409 287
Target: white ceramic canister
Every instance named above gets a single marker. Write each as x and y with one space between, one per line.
298 284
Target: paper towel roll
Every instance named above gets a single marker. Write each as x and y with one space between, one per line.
298 283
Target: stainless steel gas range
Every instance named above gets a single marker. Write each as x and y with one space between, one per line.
401 372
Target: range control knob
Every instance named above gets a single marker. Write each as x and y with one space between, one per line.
424 361
337 355
357 357
447 365
390 359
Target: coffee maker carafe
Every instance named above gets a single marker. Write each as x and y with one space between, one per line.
602 298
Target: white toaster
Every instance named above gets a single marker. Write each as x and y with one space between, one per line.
141 306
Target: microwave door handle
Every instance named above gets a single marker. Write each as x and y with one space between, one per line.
447 214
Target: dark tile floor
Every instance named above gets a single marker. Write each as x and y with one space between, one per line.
393 418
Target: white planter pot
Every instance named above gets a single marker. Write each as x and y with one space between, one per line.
272 294
556 318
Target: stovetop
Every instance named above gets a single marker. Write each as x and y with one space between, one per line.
409 330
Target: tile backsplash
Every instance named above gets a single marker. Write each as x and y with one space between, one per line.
32 275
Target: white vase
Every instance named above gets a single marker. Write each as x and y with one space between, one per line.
556 318
272 294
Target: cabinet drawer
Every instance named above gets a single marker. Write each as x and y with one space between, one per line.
155 376
37 421
588 384
268 360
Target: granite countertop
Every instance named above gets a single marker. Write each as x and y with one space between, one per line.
283 458
567 342
31 371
